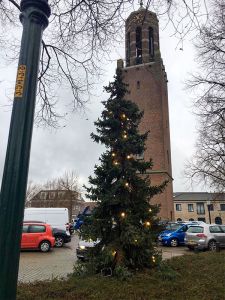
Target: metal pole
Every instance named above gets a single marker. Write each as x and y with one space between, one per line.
209 209
34 17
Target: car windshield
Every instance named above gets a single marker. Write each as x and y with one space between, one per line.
173 226
195 229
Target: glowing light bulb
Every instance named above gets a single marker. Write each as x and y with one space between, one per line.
125 136
153 259
123 116
150 210
113 154
123 214
147 223
115 162
114 253
128 157
126 184
135 241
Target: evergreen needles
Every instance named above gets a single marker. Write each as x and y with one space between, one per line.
124 220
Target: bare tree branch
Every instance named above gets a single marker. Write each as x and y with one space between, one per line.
80 35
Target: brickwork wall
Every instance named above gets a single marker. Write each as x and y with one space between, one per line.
150 94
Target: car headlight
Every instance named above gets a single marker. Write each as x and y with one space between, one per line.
82 247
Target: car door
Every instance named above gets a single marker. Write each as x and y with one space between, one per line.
181 234
223 235
25 237
217 233
35 233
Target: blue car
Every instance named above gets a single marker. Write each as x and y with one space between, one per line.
173 235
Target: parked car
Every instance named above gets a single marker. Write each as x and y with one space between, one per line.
174 233
205 236
61 236
37 236
83 248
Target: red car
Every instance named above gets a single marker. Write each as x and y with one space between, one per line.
37 236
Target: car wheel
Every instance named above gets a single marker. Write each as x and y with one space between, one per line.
174 243
44 246
59 241
212 245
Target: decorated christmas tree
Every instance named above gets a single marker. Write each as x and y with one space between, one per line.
124 220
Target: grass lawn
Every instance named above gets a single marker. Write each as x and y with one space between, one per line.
195 277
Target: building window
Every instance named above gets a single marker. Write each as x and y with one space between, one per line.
128 49
151 42
138 85
61 194
218 220
222 207
201 219
191 219
43 195
178 207
168 157
200 209
138 45
52 195
179 220
190 207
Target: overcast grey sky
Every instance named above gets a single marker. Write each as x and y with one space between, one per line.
70 148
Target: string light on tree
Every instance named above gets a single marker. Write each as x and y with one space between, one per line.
115 162
126 184
128 156
123 215
113 154
123 116
147 223
153 259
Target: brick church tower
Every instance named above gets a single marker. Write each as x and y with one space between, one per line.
146 76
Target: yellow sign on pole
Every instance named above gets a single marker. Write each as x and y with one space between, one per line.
20 79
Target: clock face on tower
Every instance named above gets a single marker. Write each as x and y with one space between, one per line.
138 18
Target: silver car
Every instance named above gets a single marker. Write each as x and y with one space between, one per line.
205 236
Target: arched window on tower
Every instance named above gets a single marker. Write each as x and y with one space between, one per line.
138 45
151 42
128 49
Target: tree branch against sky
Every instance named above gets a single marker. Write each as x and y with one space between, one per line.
80 36
208 162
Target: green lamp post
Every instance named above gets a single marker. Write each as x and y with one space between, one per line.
34 17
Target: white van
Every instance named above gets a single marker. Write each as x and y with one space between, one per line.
56 217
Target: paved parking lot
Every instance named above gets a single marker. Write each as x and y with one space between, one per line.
59 262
